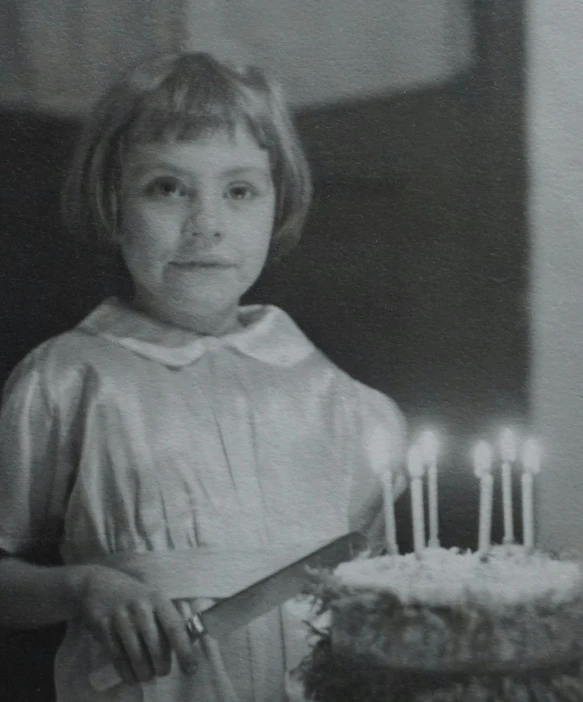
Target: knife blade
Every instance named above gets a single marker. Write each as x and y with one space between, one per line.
234 612
231 613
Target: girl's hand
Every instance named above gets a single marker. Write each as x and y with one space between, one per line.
138 626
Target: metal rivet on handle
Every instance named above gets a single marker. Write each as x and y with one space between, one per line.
195 627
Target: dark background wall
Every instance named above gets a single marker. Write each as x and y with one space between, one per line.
413 271
411 275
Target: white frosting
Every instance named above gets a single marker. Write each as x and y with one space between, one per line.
447 577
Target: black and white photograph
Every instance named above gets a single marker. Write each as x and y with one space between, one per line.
291 351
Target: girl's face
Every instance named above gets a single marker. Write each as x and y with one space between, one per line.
196 225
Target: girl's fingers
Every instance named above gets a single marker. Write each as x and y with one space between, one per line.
174 627
154 640
138 657
117 654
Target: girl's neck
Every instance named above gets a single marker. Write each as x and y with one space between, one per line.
202 323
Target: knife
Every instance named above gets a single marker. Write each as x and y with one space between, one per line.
229 614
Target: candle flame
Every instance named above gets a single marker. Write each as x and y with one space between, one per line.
508 445
482 459
429 445
415 462
531 456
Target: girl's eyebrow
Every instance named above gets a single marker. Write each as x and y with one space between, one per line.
144 169
241 170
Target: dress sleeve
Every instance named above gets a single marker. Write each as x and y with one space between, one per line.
33 466
382 448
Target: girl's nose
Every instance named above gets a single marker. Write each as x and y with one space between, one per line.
204 219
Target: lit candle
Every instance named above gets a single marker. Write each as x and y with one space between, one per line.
380 451
415 468
508 447
429 446
531 464
483 470
389 509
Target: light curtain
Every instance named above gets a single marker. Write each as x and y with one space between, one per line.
57 55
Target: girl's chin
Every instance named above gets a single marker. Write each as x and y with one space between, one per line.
175 300
202 315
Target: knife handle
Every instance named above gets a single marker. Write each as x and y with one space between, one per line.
107 677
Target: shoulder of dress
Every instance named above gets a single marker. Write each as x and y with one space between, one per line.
59 363
377 407
71 349
380 413
381 402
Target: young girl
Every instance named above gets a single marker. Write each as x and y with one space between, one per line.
178 419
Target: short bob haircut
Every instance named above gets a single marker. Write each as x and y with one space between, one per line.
180 97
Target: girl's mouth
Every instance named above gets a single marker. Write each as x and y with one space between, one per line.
203 264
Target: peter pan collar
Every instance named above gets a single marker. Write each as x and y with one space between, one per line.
267 334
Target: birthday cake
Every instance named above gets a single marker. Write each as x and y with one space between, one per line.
451 611
503 624
439 626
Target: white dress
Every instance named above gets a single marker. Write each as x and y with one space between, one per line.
125 435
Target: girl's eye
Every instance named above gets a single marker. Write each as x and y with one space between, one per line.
241 191
167 186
